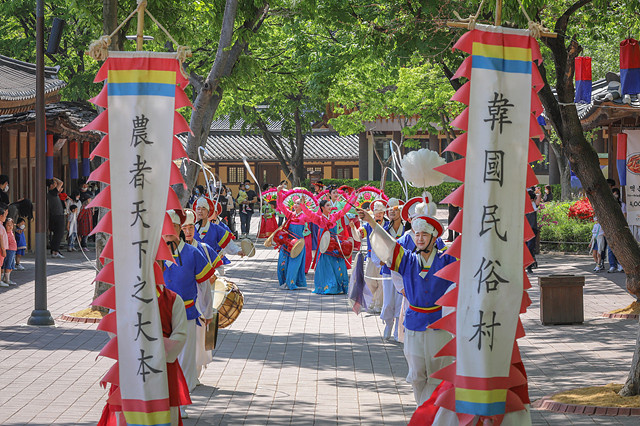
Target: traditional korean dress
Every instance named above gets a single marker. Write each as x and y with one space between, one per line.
372 275
422 288
268 221
217 236
291 271
191 270
331 274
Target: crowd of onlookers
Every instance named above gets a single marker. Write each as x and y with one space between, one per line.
12 238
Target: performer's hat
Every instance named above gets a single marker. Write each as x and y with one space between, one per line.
210 205
427 224
189 217
378 206
394 203
348 190
419 206
176 216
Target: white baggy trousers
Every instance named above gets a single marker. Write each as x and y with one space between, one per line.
420 349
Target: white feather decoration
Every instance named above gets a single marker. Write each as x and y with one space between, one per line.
417 168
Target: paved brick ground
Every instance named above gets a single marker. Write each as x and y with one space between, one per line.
291 357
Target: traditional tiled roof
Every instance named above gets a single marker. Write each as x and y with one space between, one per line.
18 85
64 118
231 145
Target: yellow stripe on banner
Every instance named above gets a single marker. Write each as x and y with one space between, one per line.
142 76
502 52
481 396
204 272
155 418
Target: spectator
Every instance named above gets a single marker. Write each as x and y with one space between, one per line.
228 209
548 196
4 189
248 197
85 224
72 228
21 241
73 199
4 240
613 261
597 244
85 192
56 216
10 260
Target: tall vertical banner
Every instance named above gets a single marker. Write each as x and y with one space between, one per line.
488 376
632 169
73 159
141 94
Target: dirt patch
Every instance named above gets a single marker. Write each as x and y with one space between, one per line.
599 396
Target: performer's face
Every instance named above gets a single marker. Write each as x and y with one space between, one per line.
334 195
173 238
189 232
202 213
393 213
326 209
378 216
424 240
297 207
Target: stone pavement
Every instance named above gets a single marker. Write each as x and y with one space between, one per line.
291 357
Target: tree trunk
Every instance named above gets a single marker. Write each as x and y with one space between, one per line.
210 94
585 163
565 172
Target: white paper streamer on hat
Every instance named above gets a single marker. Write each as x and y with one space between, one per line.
417 168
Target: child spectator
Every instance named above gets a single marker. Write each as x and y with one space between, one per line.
597 244
10 256
72 227
21 242
85 223
4 240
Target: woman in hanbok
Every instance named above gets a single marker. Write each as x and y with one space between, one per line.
331 275
268 220
292 270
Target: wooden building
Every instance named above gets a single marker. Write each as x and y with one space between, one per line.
17 129
326 154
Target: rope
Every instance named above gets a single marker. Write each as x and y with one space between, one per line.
536 29
472 19
99 49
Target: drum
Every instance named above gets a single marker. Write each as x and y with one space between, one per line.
344 246
324 241
231 305
282 237
247 246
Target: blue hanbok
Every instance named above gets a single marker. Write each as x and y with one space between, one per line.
331 276
291 270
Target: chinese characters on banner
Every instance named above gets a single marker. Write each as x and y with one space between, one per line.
632 155
488 376
141 97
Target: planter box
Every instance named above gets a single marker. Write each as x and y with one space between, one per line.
561 299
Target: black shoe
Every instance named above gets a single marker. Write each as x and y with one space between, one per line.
529 270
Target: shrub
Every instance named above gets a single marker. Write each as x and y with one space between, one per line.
559 230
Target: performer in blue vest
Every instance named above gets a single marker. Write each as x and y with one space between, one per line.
422 289
190 271
216 235
203 356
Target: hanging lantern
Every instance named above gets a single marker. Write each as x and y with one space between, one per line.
583 80
630 67
48 151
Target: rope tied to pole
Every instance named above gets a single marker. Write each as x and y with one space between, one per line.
99 49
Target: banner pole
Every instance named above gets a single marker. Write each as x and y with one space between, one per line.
498 12
139 34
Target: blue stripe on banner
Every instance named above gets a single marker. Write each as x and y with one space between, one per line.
490 409
498 64
630 81
86 167
49 167
73 168
622 171
583 91
141 89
